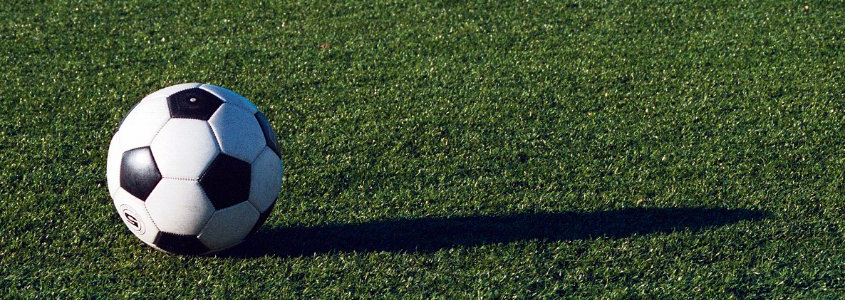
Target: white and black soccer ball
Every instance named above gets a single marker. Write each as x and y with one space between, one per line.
194 169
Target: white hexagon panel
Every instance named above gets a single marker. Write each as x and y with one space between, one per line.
143 122
266 180
238 132
179 206
229 226
184 148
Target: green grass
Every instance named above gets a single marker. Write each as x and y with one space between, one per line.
454 148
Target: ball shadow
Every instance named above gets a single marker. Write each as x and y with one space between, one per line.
432 234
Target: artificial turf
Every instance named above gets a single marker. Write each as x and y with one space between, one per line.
447 148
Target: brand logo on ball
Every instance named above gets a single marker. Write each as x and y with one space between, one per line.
131 218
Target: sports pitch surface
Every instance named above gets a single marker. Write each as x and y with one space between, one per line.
453 148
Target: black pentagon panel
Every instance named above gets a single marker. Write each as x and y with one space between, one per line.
226 181
269 134
262 218
179 244
193 103
139 173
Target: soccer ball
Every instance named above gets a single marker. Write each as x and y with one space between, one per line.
194 169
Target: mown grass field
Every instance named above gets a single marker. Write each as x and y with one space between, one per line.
452 148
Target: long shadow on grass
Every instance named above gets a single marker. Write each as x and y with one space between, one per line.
431 234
